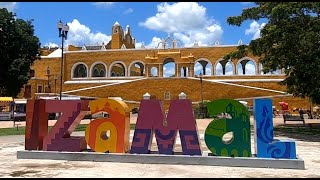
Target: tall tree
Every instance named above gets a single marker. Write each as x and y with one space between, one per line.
290 40
19 47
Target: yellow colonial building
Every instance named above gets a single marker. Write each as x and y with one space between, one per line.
119 69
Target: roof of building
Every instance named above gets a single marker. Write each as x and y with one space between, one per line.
56 53
96 47
116 24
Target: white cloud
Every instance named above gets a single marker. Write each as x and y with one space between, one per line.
80 34
229 68
187 21
255 28
245 3
240 71
103 4
249 68
169 69
219 69
153 44
10 6
128 11
51 45
138 45
208 70
154 71
198 69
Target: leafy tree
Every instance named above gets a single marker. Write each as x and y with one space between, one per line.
19 47
290 40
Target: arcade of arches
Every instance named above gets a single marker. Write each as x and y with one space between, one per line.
129 73
170 68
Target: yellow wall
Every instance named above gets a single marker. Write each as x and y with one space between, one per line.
156 86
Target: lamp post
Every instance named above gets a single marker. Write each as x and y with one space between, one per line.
63 31
55 83
201 107
48 74
310 108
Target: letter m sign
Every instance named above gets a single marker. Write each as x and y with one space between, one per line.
152 120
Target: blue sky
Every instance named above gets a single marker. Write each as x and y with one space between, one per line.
189 22
90 23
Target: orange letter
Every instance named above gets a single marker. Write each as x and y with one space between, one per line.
117 123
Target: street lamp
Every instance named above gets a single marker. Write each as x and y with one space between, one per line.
48 74
55 83
63 31
310 108
201 106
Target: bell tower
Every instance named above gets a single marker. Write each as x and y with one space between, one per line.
116 36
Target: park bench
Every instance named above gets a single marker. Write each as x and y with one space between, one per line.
288 117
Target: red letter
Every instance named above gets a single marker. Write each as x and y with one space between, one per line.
58 139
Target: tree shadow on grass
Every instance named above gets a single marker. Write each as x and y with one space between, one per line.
307 133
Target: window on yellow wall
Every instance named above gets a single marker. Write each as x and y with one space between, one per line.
27 91
99 70
39 89
95 73
115 30
80 71
167 95
31 73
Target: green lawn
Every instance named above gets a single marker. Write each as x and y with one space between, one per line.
21 130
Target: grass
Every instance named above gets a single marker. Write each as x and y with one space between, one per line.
21 130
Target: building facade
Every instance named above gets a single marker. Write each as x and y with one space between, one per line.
119 69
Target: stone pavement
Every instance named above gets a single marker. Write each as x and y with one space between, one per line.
308 149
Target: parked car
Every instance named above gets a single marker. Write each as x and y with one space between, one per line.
5 116
19 116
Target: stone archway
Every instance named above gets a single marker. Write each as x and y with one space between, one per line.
98 69
203 66
184 72
246 66
224 67
117 68
169 68
136 68
79 70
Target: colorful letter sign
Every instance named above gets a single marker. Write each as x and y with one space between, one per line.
152 119
36 124
266 146
117 123
110 132
239 125
59 139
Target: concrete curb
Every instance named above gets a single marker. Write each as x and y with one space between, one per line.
166 159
